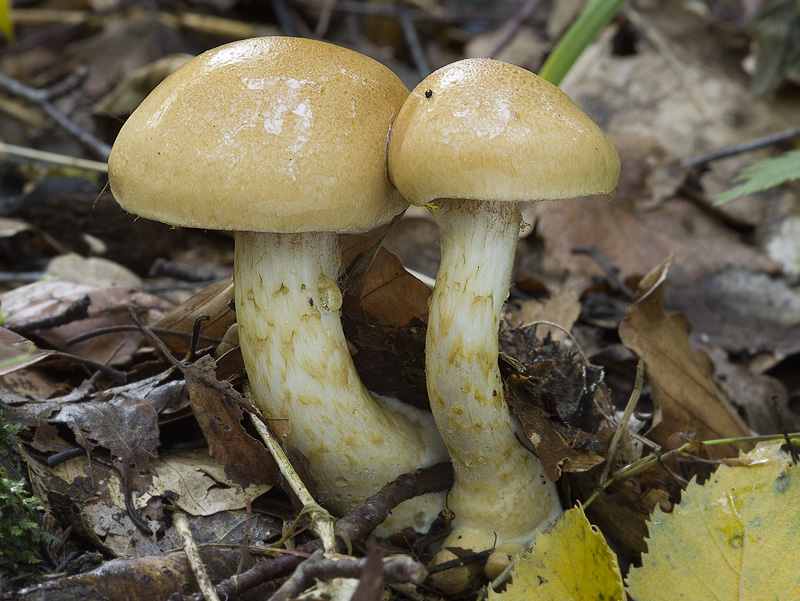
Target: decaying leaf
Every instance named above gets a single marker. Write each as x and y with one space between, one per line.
384 315
126 426
686 396
246 460
728 539
108 307
17 352
740 310
569 562
562 306
200 484
90 497
552 392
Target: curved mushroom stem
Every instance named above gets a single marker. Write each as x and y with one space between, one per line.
299 367
500 487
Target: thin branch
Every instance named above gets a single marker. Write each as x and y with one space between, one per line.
397 568
193 556
41 98
76 311
358 524
769 140
52 157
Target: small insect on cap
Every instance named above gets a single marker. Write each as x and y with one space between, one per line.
486 130
273 134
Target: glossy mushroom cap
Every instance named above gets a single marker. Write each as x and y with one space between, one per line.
483 129
262 135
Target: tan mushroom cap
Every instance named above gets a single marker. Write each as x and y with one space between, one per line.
483 129
266 134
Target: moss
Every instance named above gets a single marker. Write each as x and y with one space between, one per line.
21 514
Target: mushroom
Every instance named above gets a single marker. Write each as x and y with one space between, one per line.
283 141
471 141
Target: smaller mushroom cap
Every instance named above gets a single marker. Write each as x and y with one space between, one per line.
483 129
267 134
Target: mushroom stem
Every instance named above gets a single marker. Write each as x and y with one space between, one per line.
299 368
500 487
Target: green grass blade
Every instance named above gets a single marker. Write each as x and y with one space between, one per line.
580 34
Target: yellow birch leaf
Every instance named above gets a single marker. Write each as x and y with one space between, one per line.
731 539
570 562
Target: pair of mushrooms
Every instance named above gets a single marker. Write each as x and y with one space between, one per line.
285 141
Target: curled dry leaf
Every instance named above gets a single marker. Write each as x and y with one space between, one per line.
685 395
89 496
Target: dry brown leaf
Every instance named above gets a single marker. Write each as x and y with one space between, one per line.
387 293
175 328
384 316
552 392
634 240
246 460
562 307
753 394
685 395
125 425
679 95
109 307
740 310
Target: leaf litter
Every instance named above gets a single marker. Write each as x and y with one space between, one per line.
677 91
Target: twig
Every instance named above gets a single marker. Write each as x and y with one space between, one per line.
645 463
41 98
21 276
54 158
283 17
195 340
781 136
512 26
782 426
322 522
117 376
357 525
193 556
131 508
397 568
77 310
324 19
